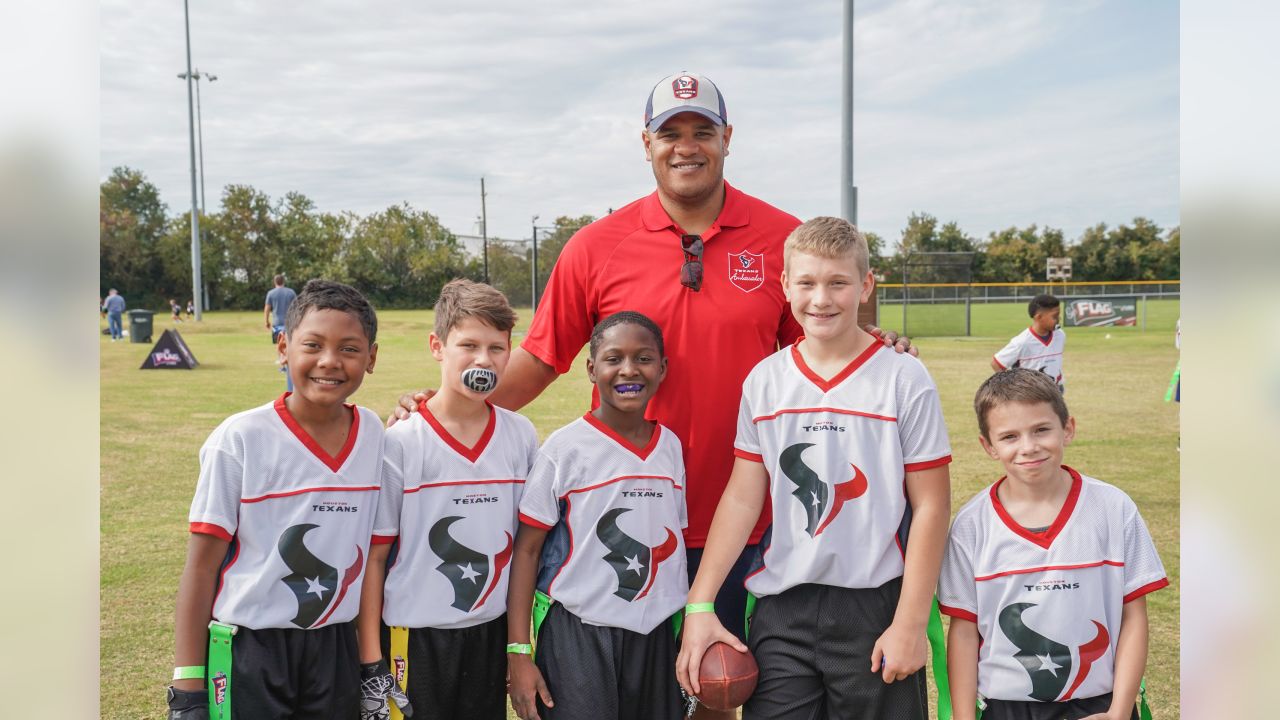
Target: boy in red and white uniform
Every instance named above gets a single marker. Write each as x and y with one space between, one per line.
1045 573
1040 346
601 528
280 531
850 444
451 488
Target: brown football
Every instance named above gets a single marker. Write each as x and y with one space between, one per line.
727 677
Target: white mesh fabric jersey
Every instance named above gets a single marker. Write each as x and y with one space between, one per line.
299 520
1048 604
1028 350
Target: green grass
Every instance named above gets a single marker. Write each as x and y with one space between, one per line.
154 422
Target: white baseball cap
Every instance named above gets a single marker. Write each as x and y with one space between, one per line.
684 92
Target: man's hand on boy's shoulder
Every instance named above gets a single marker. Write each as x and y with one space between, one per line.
891 339
407 405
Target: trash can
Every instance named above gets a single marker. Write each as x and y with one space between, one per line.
140 322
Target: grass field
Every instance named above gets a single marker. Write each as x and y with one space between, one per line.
153 423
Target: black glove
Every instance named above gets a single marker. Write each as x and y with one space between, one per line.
188 704
376 685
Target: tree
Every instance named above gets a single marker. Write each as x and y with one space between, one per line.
1018 254
401 257
551 244
131 222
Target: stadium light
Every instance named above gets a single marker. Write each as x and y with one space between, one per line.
204 206
196 283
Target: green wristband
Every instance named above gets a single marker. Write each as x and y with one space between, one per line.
705 607
520 648
189 672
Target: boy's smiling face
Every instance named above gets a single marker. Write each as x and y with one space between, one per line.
1028 439
627 367
328 355
825 293
471 343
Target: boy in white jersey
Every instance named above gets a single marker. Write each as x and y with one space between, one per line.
601 532
850 445
1040 346
280 530
1045 573
451 487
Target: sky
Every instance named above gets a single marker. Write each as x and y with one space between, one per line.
988 113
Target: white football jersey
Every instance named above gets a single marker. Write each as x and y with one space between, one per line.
837 453
299 521
453 509
1028 350
1048 605
615 554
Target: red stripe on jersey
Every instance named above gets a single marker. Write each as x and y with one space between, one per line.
642 453
1043 340
597 486
753 457
958 613
997 360
838 411
1148 588
337 488
1046 538
449 483
210 529
927 464
533 522
826 385
334 463
382 539
1046 568
472 453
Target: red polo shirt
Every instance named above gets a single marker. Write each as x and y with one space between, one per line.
631 260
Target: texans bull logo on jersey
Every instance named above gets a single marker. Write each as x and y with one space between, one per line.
1049 662
473 575
635 563
814 494
314 582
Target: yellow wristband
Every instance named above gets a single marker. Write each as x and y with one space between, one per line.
189 672
520 648
704 607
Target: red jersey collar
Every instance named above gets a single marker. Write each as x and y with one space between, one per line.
334 463
1043 340
735 213
1043 539
827 385
473 453
642 453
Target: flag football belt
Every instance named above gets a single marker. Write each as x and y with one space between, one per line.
542 603
937 650
1144 710
219 669
1173 381
399 664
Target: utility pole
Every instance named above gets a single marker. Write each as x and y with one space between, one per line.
533 267
196 296
484 231
848 191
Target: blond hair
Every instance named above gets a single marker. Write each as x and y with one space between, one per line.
829 237
461 299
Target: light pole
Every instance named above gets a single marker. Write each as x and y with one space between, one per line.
848 191
195 215
204 206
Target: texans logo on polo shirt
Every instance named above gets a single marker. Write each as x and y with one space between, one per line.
685 87
314 582
746 270
471 573
813 493
1047 661
635 563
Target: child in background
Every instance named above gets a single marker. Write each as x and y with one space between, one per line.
1045 574
451 488
601 523
1040 346
280 529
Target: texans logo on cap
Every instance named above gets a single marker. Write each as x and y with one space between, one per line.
685 87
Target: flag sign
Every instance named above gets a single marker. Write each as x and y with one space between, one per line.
170 353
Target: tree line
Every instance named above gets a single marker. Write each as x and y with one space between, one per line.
401 256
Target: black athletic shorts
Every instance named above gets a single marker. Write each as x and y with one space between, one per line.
731 601
813 645
283 674
458 673
1031 710
606 673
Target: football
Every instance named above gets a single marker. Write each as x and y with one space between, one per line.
727 677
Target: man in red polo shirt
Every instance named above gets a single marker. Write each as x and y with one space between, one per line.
703 260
